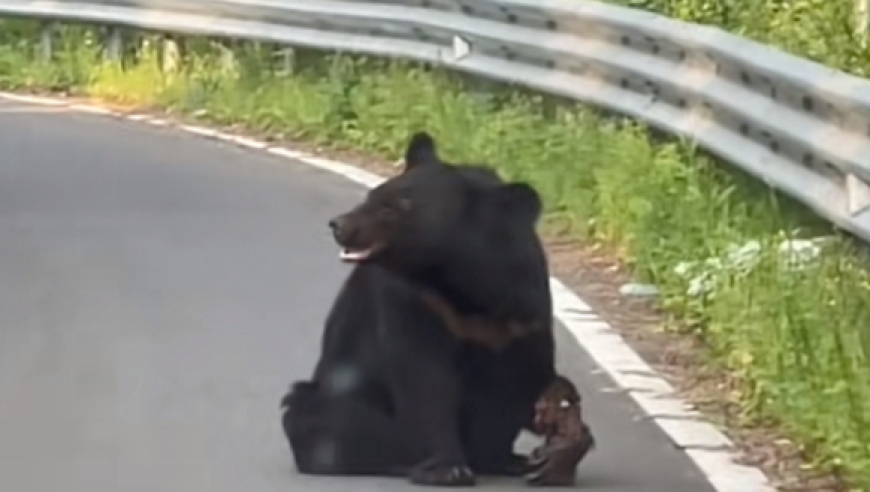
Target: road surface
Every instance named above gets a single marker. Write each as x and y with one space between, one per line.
158 292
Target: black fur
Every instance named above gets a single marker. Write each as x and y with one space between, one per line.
394 393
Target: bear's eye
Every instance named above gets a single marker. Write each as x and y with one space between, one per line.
394 209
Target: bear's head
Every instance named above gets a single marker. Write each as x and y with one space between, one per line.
435 215
459 230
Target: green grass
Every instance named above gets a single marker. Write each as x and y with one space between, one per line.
799 339
822 30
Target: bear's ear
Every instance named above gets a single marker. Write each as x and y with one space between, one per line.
421 150
519 200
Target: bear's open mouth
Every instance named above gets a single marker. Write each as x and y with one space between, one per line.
354 255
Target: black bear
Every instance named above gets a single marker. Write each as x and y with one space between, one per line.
394 392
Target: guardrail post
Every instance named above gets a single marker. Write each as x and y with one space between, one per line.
858 194
45 40
114 44
227 57
171 54
288 61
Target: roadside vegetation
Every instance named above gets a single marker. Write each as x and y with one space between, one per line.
825 31
732 260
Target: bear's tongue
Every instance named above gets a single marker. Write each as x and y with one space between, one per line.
347 254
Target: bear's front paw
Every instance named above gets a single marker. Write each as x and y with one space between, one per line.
443 476
556 464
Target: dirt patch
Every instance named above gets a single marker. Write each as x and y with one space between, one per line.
684 361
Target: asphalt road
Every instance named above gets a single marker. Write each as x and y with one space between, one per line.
158 292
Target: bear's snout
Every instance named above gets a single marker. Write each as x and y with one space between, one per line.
341 229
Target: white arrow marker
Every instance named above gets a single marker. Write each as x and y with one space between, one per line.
461 48
858 193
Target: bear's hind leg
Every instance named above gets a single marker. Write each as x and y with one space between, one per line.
343 436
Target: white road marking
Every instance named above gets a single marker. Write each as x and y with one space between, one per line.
29 109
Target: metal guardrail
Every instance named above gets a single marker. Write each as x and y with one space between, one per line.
799 126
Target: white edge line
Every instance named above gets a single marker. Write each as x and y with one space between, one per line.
87 108
711 451
42 101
